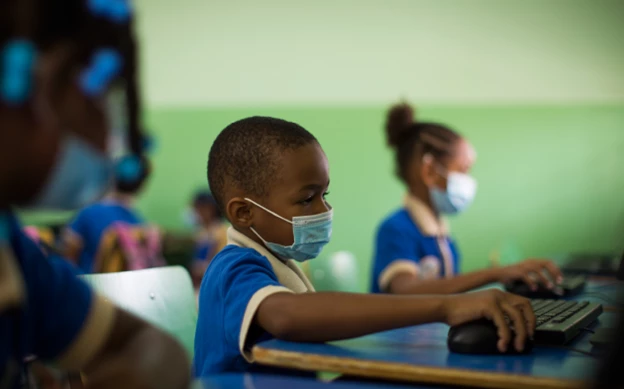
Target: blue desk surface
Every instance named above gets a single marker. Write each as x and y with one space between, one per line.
258 381
608 293
420 354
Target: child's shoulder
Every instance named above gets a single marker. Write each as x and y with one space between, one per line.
96 208
234 264
232 256
397 220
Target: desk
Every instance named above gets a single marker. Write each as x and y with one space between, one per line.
258 381
609 293
420 354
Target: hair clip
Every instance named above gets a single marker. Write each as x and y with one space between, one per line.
128 168
105 66
17 62
117 11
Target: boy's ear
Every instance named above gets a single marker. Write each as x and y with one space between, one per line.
239 212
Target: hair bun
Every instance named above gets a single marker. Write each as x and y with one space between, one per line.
400 118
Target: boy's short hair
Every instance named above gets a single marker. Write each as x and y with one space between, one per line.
245 155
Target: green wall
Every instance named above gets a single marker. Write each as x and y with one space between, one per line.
536 85
250 53
549 177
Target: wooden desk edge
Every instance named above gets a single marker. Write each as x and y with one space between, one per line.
405 372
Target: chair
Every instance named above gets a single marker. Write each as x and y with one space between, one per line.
162 296
41 235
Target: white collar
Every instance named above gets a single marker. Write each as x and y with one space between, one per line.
239 239
287 272
424 217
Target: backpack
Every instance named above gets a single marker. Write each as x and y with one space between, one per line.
126 247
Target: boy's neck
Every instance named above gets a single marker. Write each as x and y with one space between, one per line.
121 198
249 234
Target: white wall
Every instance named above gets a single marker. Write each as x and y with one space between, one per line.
261 52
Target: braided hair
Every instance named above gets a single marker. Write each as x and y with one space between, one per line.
31 27
411 138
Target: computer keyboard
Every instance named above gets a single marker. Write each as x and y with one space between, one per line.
558 321
570 286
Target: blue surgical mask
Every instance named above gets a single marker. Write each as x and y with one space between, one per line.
461 190
311 234
81 175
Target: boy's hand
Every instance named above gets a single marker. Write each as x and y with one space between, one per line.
533 272
494 305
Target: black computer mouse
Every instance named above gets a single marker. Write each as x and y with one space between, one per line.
480 337
521 288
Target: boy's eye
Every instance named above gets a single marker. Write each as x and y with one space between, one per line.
307 201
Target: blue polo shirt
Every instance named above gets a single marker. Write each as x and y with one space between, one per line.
202 249
91 223
231 280
399 238
52 313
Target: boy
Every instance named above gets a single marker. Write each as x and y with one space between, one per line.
211 234
58 62
270 178
83 236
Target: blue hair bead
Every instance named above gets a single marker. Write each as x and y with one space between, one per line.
18 61
105 66
128 168
117 11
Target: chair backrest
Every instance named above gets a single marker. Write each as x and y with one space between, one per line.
124 247
42 235
162 296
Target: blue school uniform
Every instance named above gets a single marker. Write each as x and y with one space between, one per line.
202 249
44 309
91 223
413 240
237 280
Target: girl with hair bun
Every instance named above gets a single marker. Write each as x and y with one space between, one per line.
414 252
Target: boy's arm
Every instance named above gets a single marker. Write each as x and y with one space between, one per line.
82 331
137 355
319 317
406 283
531 272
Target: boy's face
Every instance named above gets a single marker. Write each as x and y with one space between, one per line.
298 189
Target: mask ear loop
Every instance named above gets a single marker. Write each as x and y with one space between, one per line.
269 211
